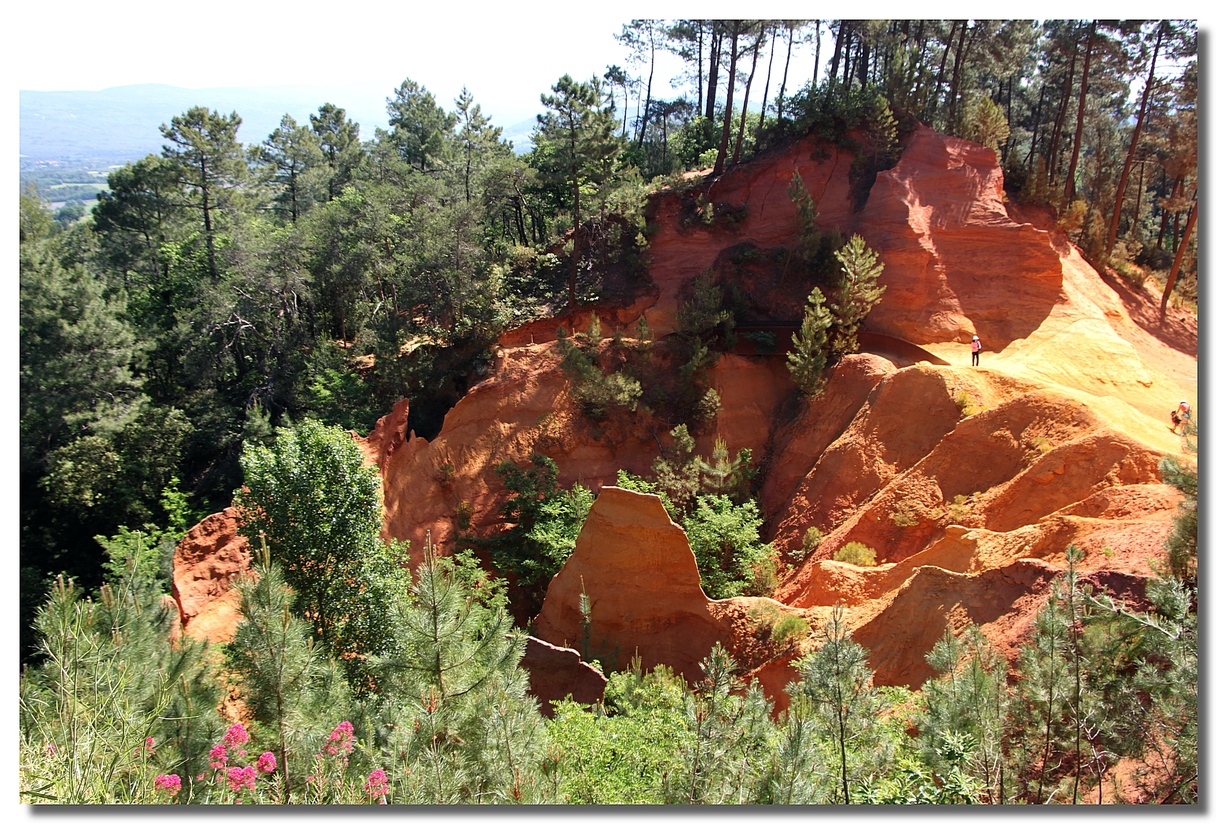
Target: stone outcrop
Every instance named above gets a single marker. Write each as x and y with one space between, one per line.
635 568
970 483
556 673
637 571
206 562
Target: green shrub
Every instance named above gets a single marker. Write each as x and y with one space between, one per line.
725 538
966 404
810 542
959 509
855 553
905 514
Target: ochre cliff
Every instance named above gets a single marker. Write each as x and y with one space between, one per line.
969 483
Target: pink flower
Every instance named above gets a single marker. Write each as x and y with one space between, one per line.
149 746
169 783
236 735
342 739
241 778
219 757
266 762
376 786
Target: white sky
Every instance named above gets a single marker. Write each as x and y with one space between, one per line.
506 58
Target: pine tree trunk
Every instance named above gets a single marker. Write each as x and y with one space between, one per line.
1065 99
1178 253
1070 184
715 57
747 91
956 78
772 52
649 84
1034 136
1113 230
941 69
818 42
789 50
840 35
720 163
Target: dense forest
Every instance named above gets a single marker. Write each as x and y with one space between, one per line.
230 306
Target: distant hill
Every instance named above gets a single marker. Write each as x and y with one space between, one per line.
121 124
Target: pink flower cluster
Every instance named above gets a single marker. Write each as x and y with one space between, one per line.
238 778
219 757
341 740
241 778
171 784
376 786
236 736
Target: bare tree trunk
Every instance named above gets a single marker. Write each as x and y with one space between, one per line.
1065 99
1178 253
720 163
747 91
1131 150
1070 185
1165 212
768 78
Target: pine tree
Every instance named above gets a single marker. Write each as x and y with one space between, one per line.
857 293
841 687
287 682
210 162
576 150
455 691
730 735
967 702
808 357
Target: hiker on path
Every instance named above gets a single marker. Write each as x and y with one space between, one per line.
976 346
1181 415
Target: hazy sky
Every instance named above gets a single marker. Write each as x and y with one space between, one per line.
506 57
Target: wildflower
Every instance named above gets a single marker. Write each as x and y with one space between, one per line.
241 778
219 757
149 746
266 762
376 786
169 783
341 740
236 735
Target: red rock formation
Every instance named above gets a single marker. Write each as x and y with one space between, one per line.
523 407
1052 441
751 204
556 673
206 562
955 261
637 570
634 565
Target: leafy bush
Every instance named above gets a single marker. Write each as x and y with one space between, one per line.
317 506
546 521
855 553
725 538
906 513
597 393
